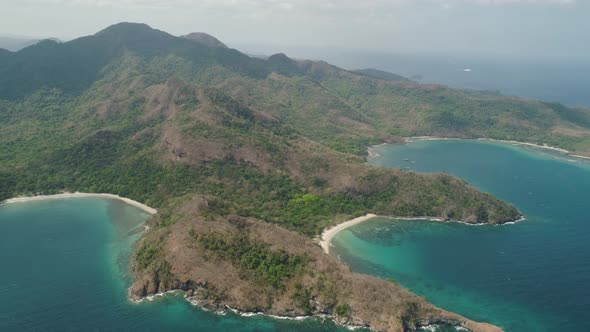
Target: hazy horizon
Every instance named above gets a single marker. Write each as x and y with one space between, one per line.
529 48
524 28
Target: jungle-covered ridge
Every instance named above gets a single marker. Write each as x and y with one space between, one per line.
232 149
136 111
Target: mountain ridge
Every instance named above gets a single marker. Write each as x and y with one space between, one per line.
234 150
14 44
205 38
380 74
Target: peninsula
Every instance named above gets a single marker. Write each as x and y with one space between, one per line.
247 160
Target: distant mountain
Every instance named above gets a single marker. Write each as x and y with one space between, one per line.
284 65
87 56
249 159
205 39
380 74
15 44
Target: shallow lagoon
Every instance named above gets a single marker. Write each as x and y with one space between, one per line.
65 262
65 268
530 276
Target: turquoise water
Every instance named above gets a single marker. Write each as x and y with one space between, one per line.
65 268
529 276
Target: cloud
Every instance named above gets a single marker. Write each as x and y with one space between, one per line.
287 4
504 2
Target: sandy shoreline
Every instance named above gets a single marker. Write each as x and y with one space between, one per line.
329 233
23 199
544 146
372 153
578 156
533 145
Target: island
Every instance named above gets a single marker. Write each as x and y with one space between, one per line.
248 161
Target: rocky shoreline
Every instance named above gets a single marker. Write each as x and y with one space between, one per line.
214 285
194 298
194 294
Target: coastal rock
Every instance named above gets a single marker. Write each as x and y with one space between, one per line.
141 288
217 282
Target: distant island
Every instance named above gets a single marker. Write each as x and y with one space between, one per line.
249 160
16 43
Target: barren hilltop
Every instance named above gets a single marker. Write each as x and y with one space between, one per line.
247 160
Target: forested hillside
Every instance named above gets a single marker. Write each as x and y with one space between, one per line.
235 151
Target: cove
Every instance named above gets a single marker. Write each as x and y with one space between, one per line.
528 276
65 267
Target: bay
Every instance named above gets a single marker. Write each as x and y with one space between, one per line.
65 267
529 276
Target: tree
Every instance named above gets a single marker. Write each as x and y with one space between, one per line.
482 214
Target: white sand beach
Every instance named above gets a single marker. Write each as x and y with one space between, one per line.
544 146
579 156
23 199
538 146
329 233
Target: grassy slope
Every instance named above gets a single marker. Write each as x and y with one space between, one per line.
157 142
208 134
381 110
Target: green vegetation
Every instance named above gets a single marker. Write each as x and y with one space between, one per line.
87 139
170 121
343 310
411 315
393 281
146 255
482 214
257 260
115 145
302 298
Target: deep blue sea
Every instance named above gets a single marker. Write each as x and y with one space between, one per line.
549 79
65 262
529 276
561 79
65 267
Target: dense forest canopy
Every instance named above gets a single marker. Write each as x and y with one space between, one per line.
232 148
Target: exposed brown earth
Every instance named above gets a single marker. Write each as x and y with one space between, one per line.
217 284
254 156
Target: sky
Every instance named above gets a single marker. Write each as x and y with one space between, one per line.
558 28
